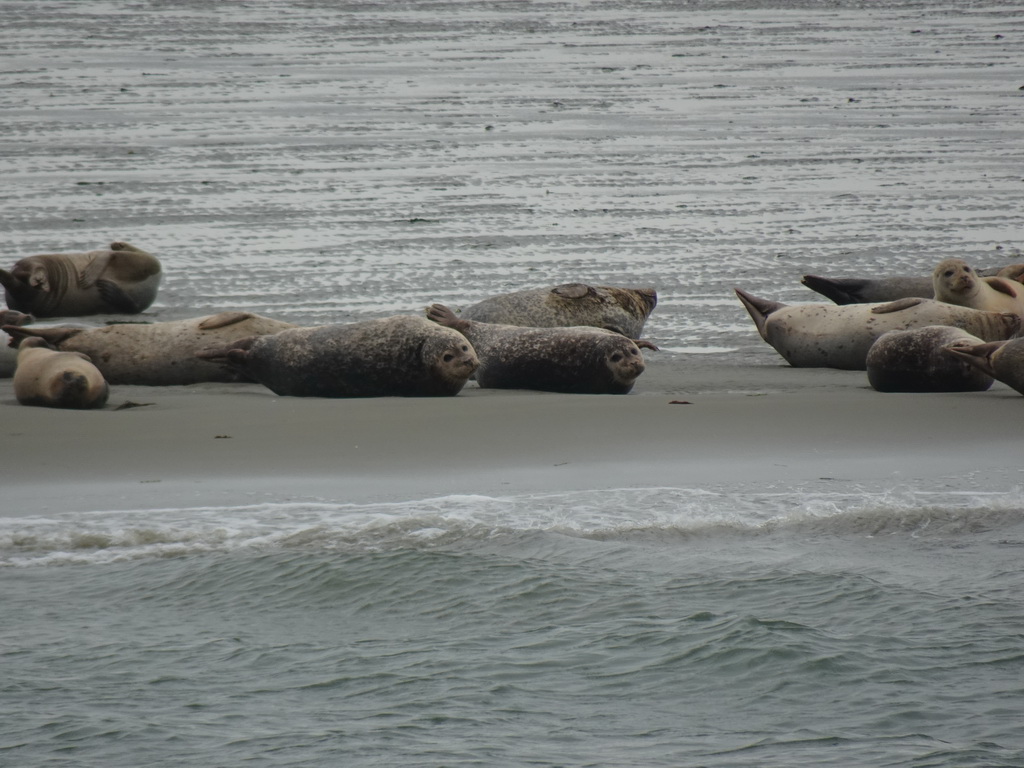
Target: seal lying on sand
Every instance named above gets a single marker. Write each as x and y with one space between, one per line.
956 283
57 379
830 336
623 310
580 359
1002 360
157 354
123 279
869 290
916 361
402 356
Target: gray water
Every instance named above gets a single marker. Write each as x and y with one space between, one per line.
332 161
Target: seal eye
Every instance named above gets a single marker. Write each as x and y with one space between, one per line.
465 348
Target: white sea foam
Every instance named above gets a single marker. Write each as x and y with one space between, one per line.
673 513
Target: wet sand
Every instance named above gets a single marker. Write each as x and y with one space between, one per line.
726 427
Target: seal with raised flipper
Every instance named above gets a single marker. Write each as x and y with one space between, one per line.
402 355
832 336
120 280
622 310
157 354
55 379
580 359
1002 360
955 282
916 360
872 290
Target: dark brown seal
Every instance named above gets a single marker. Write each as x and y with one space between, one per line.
868 290
1002 360
401 356
581 359
55 379
121 280
622 310
158 354
915 360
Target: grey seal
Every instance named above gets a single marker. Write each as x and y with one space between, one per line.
53 379
916 360
121 280
623 310
580 359
831 336
401 355
1002 360
156 354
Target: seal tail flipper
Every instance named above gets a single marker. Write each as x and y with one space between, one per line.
10 282
840 290
978 355
759 309
14 317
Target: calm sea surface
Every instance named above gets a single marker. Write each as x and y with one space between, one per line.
332 161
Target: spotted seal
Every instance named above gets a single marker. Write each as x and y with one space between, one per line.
871 290
402 355
55 379
916 360
580 359
123 280
623 310
156 354
831 336
1002 360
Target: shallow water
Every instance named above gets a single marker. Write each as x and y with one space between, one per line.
331 161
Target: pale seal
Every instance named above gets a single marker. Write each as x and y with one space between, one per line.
955 282
623 310
57 379
401 355
916 360
831 336
870 290
121 280
1002 360
156 354
581 359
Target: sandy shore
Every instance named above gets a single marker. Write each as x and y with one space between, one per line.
736 427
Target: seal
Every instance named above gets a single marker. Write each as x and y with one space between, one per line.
55 379
402 355
121 280
1002 360
830 336
622 310
157 354
871 290
579 359
955 282
916 360
8 351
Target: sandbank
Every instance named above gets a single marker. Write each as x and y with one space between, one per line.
716 426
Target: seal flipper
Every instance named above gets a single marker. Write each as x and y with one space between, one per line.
840 290
223 320
123 246
573 290
90 276
441 315
52 336
759 309
978 355
115 297
236 353
1002 285
896 306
